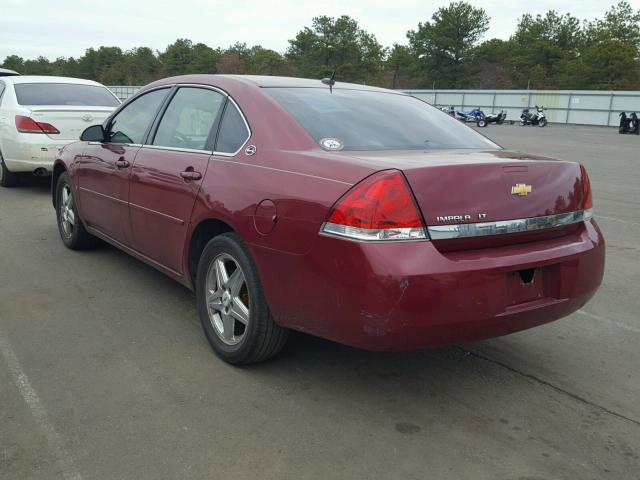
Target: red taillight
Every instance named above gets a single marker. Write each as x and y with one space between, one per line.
587 198
381 207
29 125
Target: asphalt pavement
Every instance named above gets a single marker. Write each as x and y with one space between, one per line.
105 373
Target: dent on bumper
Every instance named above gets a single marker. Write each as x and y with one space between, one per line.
28 157
409 295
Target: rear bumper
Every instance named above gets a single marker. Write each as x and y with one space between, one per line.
399 296
36 151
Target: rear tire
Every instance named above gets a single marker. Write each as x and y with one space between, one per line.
231 304
72 231
482 123
542 122
7 178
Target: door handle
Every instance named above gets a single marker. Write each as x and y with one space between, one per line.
122 163
191 175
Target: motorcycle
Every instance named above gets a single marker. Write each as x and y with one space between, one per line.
538 118
497 118
449 111
473 116
630 124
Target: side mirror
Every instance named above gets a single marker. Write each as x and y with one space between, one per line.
94 133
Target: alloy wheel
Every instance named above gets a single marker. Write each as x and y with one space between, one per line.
227 298
67 215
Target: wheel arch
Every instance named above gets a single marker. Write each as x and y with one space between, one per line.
58 169
202 233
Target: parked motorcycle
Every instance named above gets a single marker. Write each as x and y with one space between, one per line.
497 118
473 116
529 118
449 111
630 124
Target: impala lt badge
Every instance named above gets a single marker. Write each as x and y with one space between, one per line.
452 218
87 118
521 189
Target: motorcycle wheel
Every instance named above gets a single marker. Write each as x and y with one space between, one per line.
542 122
482 123
522 124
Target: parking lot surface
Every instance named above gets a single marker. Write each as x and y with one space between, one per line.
105 373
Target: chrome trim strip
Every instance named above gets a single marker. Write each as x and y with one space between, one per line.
114 143
175 149
469 230
122 202
160 214
103 195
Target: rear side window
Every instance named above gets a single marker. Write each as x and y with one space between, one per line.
131 123
233 130
188 119
64 94
374 120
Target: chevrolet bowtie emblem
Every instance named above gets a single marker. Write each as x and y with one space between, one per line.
521 189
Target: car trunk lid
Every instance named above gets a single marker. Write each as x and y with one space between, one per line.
69 120
456 187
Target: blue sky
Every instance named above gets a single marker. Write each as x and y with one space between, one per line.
68 27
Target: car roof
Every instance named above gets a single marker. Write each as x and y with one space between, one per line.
49 79
5 72
264 81
273 81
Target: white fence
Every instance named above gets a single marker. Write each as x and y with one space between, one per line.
586 107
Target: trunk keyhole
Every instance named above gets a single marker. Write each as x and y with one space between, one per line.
527 275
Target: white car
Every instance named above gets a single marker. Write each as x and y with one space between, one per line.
39 115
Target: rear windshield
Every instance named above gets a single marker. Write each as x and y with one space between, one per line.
64 94
369 120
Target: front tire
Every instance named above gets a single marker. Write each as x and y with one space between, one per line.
231 304
542 122
7 178
72 231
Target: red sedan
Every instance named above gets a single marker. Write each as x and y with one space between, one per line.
357 214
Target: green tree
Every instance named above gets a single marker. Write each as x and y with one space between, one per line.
140 66
104 65
401 66
266 62
620 23
492 64
336 44
183 57
543 45
14 62
445 43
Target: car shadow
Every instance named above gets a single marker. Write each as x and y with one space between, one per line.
35 184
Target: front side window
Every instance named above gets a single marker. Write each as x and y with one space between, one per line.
374 120
188 119
131 123
64 94
233 130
